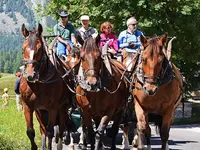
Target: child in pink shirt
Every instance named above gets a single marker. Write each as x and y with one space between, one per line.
106 29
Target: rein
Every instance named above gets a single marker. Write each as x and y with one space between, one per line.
68 70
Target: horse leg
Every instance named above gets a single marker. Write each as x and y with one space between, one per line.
97 122
125 141
115 129
82 141
148 136
50 127
62 126
40 115
100 130
142 119
87 122
28 113
165 128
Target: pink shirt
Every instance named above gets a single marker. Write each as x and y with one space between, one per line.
112 44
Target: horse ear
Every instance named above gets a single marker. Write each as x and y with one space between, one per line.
143 41
163 39
24 31
98 38
40 29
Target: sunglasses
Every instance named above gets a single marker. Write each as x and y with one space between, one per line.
108 28
64 16
133 24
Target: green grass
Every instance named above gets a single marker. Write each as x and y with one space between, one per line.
12 123
7 81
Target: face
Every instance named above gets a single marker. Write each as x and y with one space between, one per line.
32 51
152 60
64 19
133 26
91 64
107 30
85 23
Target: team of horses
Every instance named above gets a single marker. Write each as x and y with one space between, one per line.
101 87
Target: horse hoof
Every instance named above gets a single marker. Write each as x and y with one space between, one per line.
125 147
82 146
70 147
34 147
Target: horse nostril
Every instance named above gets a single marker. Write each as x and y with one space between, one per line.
30 78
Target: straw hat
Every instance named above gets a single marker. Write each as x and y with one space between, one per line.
6 90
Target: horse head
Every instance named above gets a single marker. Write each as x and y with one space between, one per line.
33 51
91 64
152 59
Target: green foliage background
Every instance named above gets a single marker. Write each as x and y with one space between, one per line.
178 18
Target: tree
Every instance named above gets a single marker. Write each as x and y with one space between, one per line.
7 68
177 18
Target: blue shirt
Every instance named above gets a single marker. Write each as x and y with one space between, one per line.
17 85
125 37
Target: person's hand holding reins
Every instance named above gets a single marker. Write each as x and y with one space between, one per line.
68 46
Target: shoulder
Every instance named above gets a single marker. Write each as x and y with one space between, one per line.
92 29
113 35
70 25
103 36
56 25
139 33
122 33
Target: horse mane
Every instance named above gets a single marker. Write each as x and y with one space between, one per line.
153 47
90 46
33 36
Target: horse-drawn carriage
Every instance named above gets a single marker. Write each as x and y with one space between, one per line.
101 86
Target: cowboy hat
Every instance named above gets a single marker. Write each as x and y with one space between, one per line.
63 13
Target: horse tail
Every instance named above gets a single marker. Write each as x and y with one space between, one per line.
157 120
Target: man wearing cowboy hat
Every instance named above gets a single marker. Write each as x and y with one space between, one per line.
66 34
85 31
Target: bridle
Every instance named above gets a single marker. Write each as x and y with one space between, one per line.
38 64
157 80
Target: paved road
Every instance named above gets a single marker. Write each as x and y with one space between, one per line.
185 137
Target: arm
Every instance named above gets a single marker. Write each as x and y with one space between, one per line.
15 88
139 44
120 41
73 39
95 34
56 32
102 41
115 44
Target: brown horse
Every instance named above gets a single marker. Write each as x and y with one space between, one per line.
158 90
41 86
101 92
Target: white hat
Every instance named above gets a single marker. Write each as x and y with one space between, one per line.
85 17
6 90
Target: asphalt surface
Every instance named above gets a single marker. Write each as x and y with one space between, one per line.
184 137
